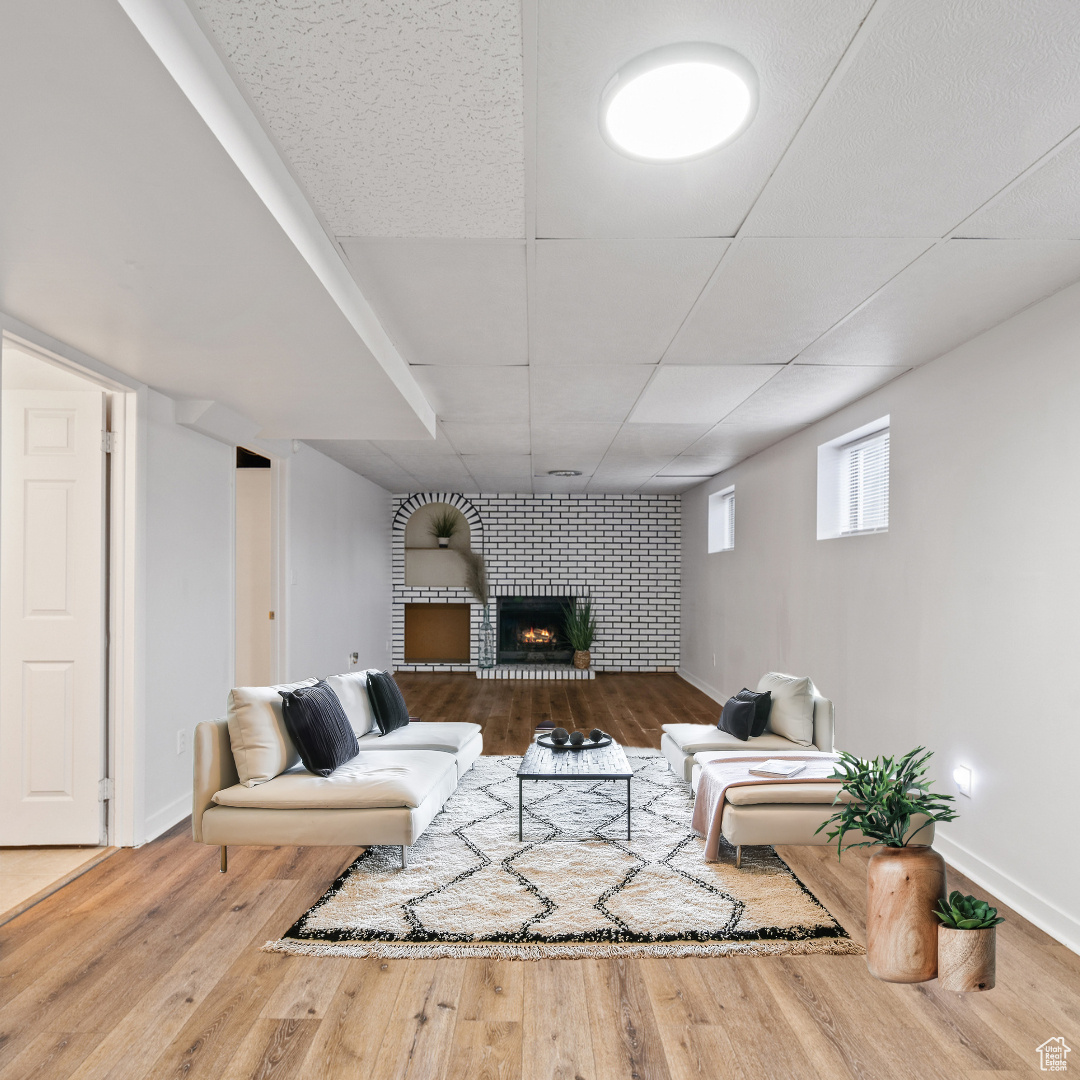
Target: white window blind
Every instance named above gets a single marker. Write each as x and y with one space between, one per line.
864 480
722 520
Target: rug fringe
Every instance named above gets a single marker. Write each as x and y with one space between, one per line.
497 950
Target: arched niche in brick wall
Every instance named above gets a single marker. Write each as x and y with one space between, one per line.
426 564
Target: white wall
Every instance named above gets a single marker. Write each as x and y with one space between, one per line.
187 605
960 627
254 578
338 568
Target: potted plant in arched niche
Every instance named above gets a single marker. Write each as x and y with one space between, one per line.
580 631
444 525
883 800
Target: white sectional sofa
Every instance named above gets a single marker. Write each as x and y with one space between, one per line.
685 744
251 789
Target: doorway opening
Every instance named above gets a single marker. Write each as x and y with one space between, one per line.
54 604
255 615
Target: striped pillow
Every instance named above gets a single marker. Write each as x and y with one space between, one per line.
319 727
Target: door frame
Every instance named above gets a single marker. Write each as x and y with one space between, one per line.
123 568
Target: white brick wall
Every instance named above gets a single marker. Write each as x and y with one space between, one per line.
622 550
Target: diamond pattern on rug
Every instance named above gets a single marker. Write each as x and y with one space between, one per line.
575 886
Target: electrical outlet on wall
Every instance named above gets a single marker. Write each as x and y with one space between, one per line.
181 742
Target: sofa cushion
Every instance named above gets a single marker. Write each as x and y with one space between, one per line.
756 794
351 690
693 738
402 778
322 733
792 711
261 745
448 737
387 704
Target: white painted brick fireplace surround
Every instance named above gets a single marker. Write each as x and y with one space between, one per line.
621 550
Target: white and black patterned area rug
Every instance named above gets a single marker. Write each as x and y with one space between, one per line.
576 887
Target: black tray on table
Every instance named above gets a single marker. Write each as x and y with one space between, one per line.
588 744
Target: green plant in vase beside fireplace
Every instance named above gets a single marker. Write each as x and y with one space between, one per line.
580 629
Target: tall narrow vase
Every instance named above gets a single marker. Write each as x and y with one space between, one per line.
903 886
486 644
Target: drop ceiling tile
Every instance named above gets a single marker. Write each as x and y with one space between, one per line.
615 301
955 291
399 119
697 394
604 393
941 106
368 460
414 454
475 394
1043 205
499 466
652 442
803 395
724 446
669 485
587 189
559 485
774 296
493 438
555 437
446 475
446 301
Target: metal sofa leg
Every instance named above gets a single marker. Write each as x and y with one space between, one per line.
224 858
738 856
404 856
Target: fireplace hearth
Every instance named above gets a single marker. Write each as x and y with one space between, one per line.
531 630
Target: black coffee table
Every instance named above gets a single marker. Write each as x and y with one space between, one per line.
605 763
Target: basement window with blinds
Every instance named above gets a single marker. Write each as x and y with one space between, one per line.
853 482
722 520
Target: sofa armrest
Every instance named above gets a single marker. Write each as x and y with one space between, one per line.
823 724
215 769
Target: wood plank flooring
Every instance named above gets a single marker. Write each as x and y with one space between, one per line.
148 966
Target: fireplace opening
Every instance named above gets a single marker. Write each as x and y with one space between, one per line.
532 630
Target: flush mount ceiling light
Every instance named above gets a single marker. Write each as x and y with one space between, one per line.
678 102
564 472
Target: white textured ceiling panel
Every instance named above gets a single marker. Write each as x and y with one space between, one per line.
669 485
492 438
952 293
558 485
613 479
652 443
570 445
446 301
498 470
615 301
400 118
696 394
942 106
604 394
476 395
726 445
368 460
1044 205
774 296
802 395
587 189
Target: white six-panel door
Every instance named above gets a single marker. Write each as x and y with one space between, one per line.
52 617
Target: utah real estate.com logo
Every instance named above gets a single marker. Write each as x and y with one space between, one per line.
1052 1055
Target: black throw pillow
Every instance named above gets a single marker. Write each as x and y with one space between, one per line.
318 725
763 705
738 717
387 704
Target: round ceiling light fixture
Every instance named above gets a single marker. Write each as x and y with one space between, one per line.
564 472
678 102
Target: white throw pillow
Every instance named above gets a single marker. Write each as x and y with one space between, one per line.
262 748
351 690
792 712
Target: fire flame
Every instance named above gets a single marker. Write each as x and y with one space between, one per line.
537 635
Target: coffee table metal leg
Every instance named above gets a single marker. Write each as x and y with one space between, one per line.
628 809
519 810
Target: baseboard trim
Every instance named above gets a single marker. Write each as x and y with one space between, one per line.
1055 922
701 685
163 820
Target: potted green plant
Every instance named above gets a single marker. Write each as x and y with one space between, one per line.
967 943
444 525
580 626
888 802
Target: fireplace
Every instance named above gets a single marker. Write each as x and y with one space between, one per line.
531 630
